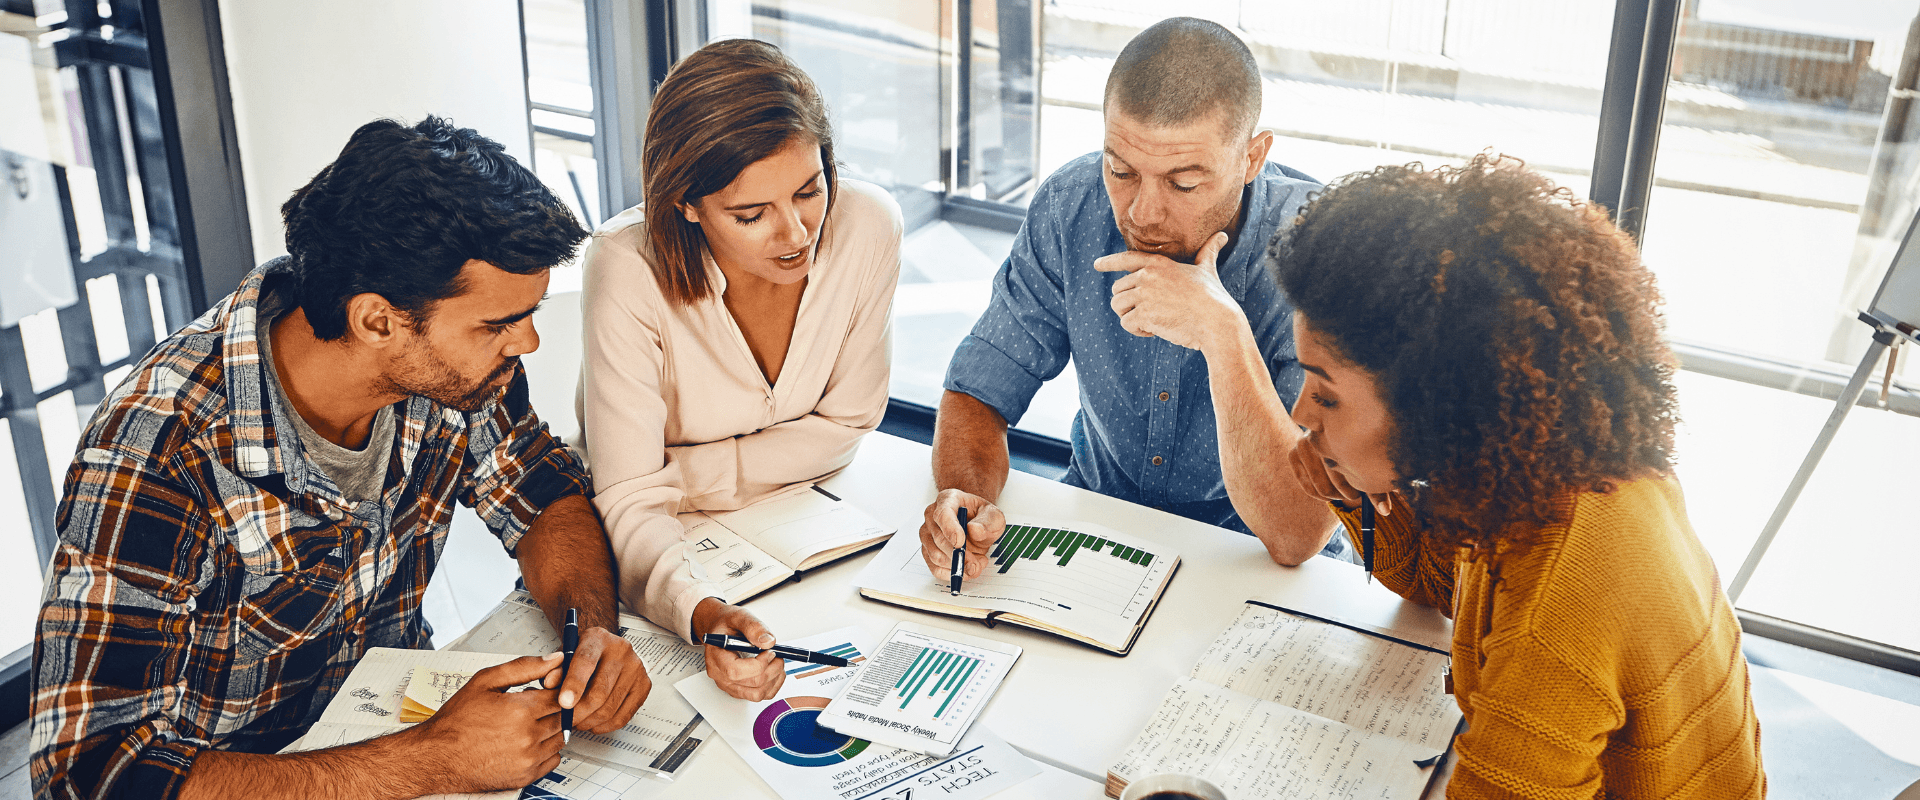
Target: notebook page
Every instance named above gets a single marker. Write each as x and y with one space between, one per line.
798 524
740 568
1365 681
1259 750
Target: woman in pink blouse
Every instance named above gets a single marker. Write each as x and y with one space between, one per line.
736 337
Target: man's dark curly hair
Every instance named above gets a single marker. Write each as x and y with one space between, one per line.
1513 332
402 209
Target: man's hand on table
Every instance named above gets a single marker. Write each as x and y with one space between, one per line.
606 683
753 678
940 533
485 738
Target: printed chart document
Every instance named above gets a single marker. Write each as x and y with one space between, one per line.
786 746
1084 582
661 735
922 690
1283 705
754 549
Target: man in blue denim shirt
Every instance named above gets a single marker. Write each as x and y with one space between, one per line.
1157 288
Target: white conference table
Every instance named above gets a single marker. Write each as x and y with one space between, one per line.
1071 707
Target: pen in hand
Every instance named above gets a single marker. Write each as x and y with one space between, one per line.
729 643
569 642
959 556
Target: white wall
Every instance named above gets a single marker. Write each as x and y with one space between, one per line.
305 74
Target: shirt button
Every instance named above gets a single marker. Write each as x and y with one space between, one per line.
1164 396
1156 461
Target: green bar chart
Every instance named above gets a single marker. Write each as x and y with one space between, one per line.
1058 547
939 673
926 683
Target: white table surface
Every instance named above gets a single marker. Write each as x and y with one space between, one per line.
1071 707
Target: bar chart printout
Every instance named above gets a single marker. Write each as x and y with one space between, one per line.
923 689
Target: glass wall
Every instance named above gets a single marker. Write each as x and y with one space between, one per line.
1784 183
878 64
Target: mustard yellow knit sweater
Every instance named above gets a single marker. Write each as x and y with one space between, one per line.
1603 661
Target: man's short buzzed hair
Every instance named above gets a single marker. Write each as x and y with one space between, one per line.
1182 69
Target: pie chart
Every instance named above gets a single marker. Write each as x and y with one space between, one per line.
789 731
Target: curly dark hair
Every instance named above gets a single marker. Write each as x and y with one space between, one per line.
1512 329
403 208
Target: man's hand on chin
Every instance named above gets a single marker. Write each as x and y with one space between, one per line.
1182 303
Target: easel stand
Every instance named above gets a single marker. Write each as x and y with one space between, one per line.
1884 334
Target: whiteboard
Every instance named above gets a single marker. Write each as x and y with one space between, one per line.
1898 300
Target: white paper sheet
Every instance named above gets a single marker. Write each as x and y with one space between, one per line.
1259 750
1365 681
923 689
666 721
782 741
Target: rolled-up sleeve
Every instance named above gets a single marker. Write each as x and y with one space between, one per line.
517 467
115 635
1021 341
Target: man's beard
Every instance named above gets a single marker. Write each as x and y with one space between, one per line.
428 376
1216 219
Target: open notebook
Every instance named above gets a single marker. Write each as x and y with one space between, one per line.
1285 705
754 549
1084 582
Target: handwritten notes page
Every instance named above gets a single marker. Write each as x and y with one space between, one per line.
1368 682
1257 749
1283 705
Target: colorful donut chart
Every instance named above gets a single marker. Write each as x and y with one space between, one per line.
789 730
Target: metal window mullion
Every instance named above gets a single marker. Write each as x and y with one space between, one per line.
1649 110
201 146
29 446
106 152
621 57
1616 103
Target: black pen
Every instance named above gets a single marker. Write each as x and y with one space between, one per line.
1366 536
959 555
726 642
569 642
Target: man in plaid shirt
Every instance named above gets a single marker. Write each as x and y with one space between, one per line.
265 497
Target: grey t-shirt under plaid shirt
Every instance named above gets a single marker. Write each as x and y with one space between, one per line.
358 473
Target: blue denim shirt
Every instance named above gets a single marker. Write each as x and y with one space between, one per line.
1145 430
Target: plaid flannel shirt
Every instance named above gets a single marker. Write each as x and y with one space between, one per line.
212 588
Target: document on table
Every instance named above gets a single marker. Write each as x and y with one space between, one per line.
1260 750
923 689
786 746
666 729
1284 705
370 702
1372 683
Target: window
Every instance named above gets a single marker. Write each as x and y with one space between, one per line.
1782 189
1779 192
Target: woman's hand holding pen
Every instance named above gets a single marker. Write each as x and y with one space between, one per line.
940 533
748 678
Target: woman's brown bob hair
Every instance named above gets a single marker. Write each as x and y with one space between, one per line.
726 106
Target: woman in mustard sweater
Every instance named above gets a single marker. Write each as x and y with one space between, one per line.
1488 390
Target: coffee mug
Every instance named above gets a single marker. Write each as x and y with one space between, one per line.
1172 787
